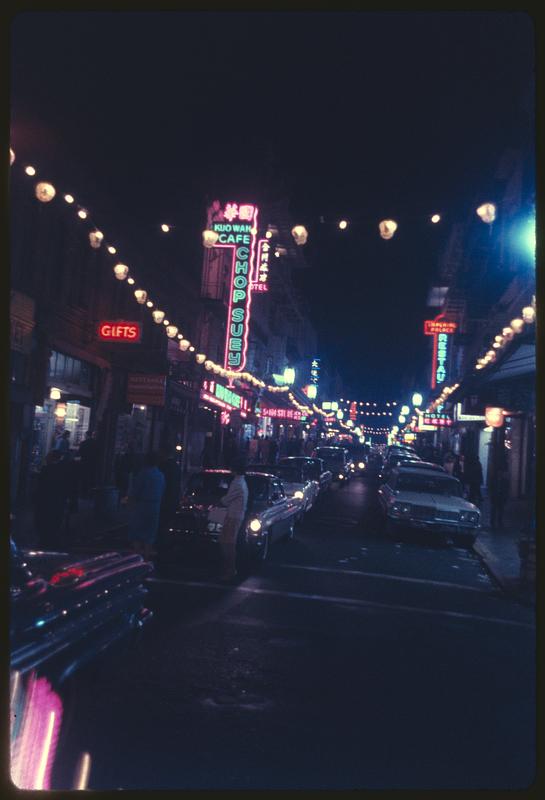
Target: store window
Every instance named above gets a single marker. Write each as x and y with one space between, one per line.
50 420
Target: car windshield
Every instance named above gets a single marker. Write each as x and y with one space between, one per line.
257 488
433 484
290 474
330 455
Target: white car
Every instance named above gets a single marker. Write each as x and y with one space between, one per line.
296 483
430 501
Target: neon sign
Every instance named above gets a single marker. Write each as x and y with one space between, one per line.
440 330
437 420
119 331
280 413
261 273
433 326
222 396
315 370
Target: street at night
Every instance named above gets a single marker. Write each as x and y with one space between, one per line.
273 409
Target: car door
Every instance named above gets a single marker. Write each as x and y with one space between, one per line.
280 511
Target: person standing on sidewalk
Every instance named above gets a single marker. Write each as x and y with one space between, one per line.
236 501
49 501
473 479
145 506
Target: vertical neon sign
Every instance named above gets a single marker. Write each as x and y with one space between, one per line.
441 330
240 237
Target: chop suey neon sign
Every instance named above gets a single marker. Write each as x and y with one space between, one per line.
236 225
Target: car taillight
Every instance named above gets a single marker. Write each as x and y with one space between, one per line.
66 576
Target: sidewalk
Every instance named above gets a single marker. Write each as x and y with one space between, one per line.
84 528
500 551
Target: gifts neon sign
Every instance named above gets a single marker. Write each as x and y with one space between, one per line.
240 237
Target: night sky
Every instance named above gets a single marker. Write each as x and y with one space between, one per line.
357 116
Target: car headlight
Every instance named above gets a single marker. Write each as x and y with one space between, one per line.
341 476
299 494
469 516
361 465
401 508
255 525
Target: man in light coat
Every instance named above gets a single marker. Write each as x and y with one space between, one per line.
236 501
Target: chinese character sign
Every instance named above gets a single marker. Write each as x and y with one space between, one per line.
261 272
315 370
236 225
280 413
441 330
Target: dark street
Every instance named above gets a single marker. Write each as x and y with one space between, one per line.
347 661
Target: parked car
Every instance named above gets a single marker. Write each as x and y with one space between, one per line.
296 482
314 469
270 515
428 500
396 459
65 612
337 460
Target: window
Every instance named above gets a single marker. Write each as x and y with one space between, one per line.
431 484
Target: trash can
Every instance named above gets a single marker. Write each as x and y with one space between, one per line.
106 501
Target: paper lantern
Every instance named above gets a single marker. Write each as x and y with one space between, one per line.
82 213
208 364
494 416
300 234
200 358
210 238
30 171
508 334
54 394
517 325
184 344
387 228
121 271
487 212
95 239
112 250
141 296
45 192
172 330
529 314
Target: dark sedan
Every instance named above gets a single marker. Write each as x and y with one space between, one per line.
65 612
314 468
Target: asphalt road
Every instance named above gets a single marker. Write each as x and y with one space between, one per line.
347 661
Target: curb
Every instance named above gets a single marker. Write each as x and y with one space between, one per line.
511 586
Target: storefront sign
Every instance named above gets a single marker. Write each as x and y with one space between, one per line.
261 272
432 327
280 413
240 237
437 420
441 330
461 417
222 396
315 370
119 331
146 390
353 410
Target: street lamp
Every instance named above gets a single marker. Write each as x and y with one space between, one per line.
402 419
417 400
405 409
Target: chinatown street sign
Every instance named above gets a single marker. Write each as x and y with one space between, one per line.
237 228
119 331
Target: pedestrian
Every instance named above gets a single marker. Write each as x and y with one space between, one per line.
88 453
62 444
144 501
448 463
264 446
273 452
171 497
498 489
473 478
49 501
236 501
253 450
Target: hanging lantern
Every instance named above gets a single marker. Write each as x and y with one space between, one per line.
387 228
95 239
184 344
141 296
529 314
172 330
491 355
112 250
45 192
11 157
121 271
131 281
54 394
208 364
487 212
210 238
30 171
158 316
82 213
300 234
200 358
517 325
494 416
508 334
69 198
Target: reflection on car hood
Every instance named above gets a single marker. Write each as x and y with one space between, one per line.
291 488
442 502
